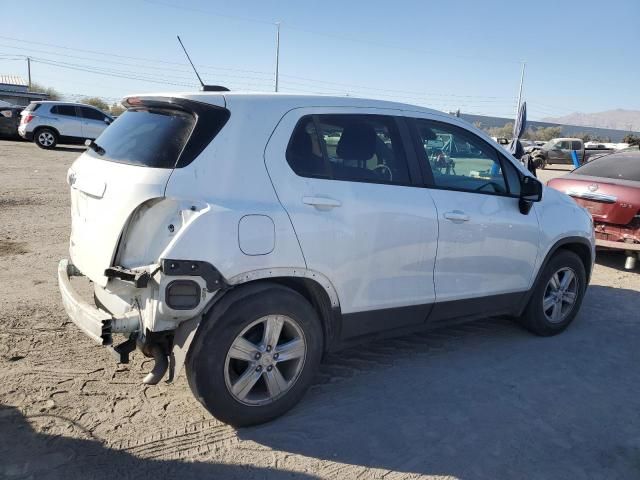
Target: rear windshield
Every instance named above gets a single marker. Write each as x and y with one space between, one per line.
146 136
621 166
32 107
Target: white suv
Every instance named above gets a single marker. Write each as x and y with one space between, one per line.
246 235
49 123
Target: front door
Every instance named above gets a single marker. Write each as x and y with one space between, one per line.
350 187
487 249
93 122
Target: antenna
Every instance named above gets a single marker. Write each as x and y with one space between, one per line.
205 88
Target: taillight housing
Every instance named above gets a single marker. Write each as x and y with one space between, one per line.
27 118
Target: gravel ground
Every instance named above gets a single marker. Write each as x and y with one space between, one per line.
482 401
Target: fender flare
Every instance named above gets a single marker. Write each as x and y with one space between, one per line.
550 253
186 331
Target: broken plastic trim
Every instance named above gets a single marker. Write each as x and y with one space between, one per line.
140 279
194 268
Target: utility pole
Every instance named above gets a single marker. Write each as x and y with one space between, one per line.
277 52
29 71
520 92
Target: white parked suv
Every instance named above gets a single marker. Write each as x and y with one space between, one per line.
248 234
48 123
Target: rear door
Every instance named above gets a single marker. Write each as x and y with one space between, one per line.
352 190
67 120
93 122
487 249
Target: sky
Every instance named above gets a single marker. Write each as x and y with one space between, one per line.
447 54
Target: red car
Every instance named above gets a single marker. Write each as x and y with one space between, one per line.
609 187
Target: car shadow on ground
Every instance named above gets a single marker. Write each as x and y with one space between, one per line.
615 259
487 400
25 453
70 149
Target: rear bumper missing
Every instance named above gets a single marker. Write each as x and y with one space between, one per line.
97 324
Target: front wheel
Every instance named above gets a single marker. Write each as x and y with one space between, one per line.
557 296
255 361
45 138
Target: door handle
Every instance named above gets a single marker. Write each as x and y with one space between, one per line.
321 203
457 216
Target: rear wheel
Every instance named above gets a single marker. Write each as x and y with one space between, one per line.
558 295
45 138
255 361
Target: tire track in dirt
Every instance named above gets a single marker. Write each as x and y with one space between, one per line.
196 439
201 438
384 354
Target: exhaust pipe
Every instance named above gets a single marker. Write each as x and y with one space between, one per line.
159 368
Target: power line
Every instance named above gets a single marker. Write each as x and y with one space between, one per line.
333 35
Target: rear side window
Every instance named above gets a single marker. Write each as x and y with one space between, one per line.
359 148
92 114
66 110
576 145
621 166
459 160
148 137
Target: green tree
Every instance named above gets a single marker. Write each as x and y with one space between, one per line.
543 133
96 102
505 131
584 136
116 109
631 139
50 91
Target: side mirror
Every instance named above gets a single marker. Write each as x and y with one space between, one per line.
530 191
107 120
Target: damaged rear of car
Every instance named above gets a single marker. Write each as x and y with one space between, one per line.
123 222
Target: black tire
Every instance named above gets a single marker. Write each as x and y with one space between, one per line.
206 361
534 317
45 138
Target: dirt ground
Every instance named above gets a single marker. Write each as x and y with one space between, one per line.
482 401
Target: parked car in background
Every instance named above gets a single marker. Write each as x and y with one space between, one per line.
251 234
48 123
609 187
9 121
558 151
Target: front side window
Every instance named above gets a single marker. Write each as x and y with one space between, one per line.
360 148
459 160
576 145
92 114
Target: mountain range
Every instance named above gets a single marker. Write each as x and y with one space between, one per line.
618 119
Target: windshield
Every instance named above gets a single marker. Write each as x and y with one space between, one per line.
549 145
619 166
146 136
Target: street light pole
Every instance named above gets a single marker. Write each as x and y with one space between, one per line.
29 71
277 52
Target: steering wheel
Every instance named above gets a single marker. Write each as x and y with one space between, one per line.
384 171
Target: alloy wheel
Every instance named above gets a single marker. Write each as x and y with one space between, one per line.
560 295
265 360
46 139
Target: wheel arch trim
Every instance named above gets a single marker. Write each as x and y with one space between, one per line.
284 272
559 244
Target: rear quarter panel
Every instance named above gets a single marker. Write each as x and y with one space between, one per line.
231 177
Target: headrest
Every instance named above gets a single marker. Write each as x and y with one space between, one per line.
301 143
358 142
